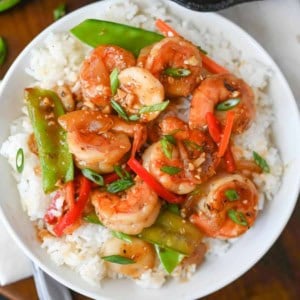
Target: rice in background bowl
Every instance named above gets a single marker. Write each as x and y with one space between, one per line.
217 271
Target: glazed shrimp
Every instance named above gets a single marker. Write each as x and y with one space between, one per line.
221 216
173 52
95 71
194 156
130 211
99 141
142 253
219 88
138 88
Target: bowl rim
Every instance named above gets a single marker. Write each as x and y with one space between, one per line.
293 103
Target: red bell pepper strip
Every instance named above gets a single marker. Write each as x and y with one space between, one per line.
69 191
152 182
213 127
73 214
227 133
229 160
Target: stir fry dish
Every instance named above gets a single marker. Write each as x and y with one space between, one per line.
145 148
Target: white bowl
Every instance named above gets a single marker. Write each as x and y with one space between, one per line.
212 275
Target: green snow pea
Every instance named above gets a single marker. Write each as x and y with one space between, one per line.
6 4
98 32
44 107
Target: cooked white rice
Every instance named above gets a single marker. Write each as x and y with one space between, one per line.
58 61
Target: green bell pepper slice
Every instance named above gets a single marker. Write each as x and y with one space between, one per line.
98 32
6 4
172 232
44 107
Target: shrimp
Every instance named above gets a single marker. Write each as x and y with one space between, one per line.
138 88
221 216
99 141
194 157
219 88
173 52
142 253
95 71
130 211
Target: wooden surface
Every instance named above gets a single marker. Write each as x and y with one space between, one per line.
275 276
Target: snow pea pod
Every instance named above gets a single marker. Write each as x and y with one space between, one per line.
44 107
98 32
170 231
6 4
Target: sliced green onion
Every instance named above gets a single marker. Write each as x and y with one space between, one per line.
3 50
92 218
134 117
177 72
231 195
20 160
120 185
167 147
170 259
119 171
169 138
192 145
170 170
261 162
59 11
237 217
119 109
93 176
174 208
114 80
155 107
228 104
118 259
122 236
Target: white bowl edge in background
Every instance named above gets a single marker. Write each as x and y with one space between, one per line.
209 277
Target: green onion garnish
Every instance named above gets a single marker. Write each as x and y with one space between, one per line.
134 117
192 145
122 236
177 72
93 176
155 107
167 145
169 138
237 217
261 162
20 160
3 50
231 195
174 208
92 218
228 104
170 170
114 80
119 109
59 11
120 185
118 259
